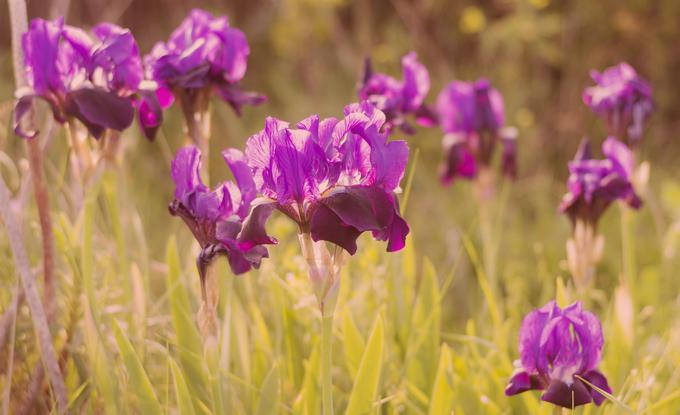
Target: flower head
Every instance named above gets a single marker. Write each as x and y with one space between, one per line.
622 98
203 55
559 349
398 98
335 178
215 217
98 82
594 184
472 118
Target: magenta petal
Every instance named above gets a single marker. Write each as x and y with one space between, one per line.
598 379
567 396
243 176
100 110
149 113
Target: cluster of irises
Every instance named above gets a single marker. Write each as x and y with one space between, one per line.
337 178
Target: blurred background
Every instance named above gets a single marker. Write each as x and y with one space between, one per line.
306 56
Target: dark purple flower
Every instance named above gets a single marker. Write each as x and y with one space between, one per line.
97 82
397 98
558 348
594 184
215 217
203 56
472 118
622 98
335 178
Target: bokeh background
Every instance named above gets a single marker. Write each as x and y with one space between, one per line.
306 56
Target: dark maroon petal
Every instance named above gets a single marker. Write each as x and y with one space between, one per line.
327 226
21 109
598 379
253 232
362 208
100 110
522 382
567 396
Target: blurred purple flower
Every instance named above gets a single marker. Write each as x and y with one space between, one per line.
558 348
203 56
471 116
594 184
622 98
215 217
97 82
397 98
335 178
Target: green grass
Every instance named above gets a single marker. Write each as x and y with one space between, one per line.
422 331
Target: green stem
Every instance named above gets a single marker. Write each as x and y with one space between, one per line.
326 362
628 245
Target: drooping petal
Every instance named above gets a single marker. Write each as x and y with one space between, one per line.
521 381
21 108
99 110
253 232
567 395
149 112
364 208
597 379
237 98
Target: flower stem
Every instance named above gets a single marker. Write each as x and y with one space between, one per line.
327 362
628 246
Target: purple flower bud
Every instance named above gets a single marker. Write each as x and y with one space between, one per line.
622 98
558 348
335 178
396 99
594 184
95 82
203 54
471 114
215 217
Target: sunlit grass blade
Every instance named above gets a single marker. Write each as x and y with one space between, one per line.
365 388
353 342
189 346
270 394
182 394
140 385
442 390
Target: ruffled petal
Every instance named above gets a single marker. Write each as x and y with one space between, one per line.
244 178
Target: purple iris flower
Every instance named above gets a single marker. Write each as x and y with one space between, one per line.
471 116
594 184
622 98
398 98
558 348
215 217
98 82
204 55
335 178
